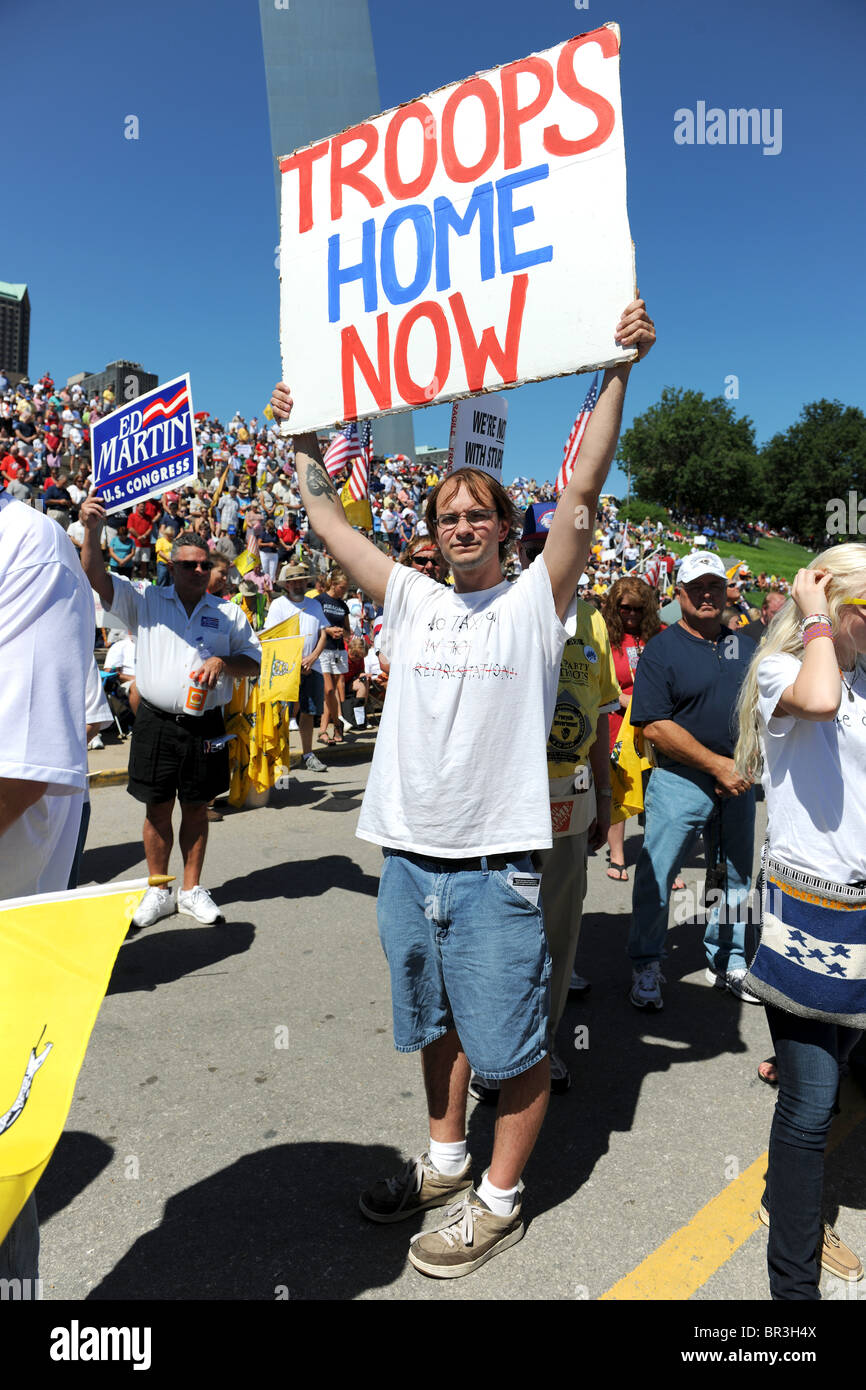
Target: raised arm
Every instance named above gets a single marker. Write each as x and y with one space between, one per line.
570 536
352 551
92 517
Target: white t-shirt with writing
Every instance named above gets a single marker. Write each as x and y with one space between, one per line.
460 766
814 777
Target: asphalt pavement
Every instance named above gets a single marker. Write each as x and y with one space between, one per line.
241 1088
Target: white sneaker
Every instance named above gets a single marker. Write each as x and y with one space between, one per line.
645 992
95 742
293 725
156 903
198 903
734 980
577 985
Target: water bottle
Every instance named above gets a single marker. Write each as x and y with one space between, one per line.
197 693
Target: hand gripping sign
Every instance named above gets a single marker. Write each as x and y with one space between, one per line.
145 447
473 239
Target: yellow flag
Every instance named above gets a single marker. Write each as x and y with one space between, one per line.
280 675
58 951
357 513
289 627
734 569
245 562
628 762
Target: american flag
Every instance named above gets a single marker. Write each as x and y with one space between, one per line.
359 479
575 439
342 450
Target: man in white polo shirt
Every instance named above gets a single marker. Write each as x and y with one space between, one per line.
181 632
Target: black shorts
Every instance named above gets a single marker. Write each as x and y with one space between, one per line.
168 757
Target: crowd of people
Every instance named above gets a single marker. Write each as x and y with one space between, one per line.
457 616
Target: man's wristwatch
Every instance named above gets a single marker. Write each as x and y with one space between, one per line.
604 791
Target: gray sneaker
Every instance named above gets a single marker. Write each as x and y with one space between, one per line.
416 1188
314 764
470 1235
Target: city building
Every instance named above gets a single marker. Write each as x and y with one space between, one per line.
14 330
431 457
126 379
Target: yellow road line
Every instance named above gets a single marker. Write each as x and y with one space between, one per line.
686 1260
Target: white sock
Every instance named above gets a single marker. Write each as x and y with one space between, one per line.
448 1159
500 1200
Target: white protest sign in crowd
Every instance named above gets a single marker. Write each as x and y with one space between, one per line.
478 434
473 239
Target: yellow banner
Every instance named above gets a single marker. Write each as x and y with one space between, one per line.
628 762
245 562
357 513
58 952
280 675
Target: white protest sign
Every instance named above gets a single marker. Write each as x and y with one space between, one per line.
473 239
478 434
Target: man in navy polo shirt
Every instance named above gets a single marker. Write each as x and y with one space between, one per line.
685 696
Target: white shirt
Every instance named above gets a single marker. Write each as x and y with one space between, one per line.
46 648
121 657
472 689
311 620
814 777
166 648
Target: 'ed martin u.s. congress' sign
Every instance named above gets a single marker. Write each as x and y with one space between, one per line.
473 239
145 447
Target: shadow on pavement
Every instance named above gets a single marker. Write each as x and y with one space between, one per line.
283 1222
77 1161
156 958
620 1048
298 879
103 865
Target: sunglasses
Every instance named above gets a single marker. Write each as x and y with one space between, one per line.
425 560
855 602
629 608
193 564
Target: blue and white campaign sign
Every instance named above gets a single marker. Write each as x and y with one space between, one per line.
146 446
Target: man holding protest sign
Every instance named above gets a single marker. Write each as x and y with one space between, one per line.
474 672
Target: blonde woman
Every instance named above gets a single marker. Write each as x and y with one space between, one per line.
802 713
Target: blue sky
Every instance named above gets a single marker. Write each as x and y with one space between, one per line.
162 249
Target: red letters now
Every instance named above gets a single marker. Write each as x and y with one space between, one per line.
476 352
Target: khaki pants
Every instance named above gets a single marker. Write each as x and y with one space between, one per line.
563 888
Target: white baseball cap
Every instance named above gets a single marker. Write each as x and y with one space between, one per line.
700 562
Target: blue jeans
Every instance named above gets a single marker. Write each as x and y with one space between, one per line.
809 1054
466 950
678 805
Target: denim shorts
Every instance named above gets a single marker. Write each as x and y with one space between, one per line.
465 951
311 694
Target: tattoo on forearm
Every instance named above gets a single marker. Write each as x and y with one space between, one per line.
318 482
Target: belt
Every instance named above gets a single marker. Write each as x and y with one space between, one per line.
482 864
193 723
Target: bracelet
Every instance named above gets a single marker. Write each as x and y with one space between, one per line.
813 618
817 630
604 791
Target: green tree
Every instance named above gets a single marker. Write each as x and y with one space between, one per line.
692 452
820 458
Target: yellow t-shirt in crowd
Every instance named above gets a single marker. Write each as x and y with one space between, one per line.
163 549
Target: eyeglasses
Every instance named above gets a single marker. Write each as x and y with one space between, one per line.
855 602
425 560
478 517
193 564
629 608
